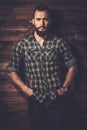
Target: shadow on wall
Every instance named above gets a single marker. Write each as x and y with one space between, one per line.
73 113
56 21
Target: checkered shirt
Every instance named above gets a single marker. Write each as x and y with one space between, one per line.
41 66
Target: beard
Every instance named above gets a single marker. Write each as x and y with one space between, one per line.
42 33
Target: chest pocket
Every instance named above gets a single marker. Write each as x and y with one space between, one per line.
52 54
32 54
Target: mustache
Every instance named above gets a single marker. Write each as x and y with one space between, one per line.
42 27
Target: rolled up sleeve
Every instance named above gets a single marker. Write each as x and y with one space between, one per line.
15 60
69 59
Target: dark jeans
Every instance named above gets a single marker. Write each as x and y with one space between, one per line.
52 117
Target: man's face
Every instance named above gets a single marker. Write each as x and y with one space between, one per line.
41 21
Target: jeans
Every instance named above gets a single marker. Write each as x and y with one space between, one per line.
52 117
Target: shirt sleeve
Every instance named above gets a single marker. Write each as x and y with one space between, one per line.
68 57
15 60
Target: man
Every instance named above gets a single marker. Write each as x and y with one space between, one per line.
40 55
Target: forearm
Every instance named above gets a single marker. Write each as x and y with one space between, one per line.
68 80
15 78
69 77
17 81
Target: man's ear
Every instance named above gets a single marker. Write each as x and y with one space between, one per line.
32 21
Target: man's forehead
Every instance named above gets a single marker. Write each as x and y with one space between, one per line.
41 13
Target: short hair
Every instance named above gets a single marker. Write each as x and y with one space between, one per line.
42 8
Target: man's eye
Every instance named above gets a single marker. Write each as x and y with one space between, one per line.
38 19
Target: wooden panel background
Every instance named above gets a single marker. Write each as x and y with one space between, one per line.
14 24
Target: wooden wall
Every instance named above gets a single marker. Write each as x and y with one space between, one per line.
14 24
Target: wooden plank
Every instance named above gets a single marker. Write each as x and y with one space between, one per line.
25 11
34 2
14 25
12 35
14 22
63 2
4 56
7 86
6 47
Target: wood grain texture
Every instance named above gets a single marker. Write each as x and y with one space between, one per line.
71 24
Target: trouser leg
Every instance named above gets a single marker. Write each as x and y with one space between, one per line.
56 113
59 115
36 114
42 118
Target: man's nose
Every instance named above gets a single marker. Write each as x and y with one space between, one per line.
42 22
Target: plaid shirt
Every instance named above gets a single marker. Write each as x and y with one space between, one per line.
41 65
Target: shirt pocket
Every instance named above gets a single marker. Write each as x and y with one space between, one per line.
52 54
32 54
